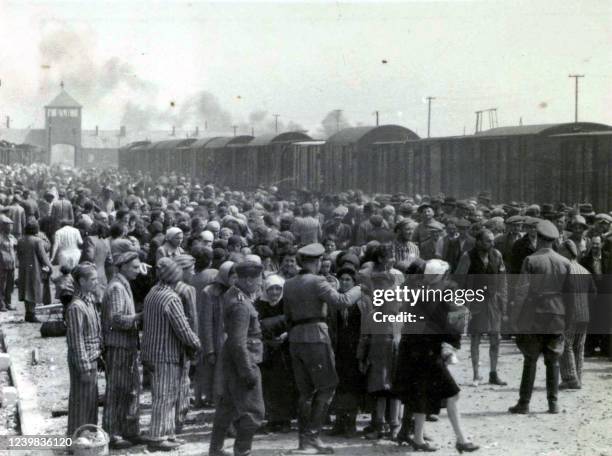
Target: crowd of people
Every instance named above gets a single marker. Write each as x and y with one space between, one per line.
253 301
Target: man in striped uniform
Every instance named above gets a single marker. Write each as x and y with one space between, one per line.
167 341
187 293
120 323
241 402
84 339
403 248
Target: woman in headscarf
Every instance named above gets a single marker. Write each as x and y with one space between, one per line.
172 245
211 330
378 346
66 248
276 371
351 386
422 379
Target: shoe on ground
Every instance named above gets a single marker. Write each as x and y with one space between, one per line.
119 443
495 380
139 439
3 309
316 444
468 447
31 319
164 445
571 385
553 408
520 409
432 418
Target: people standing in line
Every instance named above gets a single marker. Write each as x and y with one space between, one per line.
85 345
167 341
120 325
578 319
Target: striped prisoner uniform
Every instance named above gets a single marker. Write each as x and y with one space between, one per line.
122 405
166 337
187 293
84 340
405 251
575 332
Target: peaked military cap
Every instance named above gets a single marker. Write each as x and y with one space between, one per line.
314 250
547 230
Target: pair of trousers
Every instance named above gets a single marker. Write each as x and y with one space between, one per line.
316 379
532 345
165 386
7 284
573 355
121 415
83 397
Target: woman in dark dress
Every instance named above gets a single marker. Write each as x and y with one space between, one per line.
351 387
277 375
422 379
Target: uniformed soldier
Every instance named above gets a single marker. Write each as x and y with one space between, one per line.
307 297
241 401
542 296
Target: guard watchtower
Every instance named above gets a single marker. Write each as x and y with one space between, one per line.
63 129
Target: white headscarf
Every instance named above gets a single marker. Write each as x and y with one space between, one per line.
271 281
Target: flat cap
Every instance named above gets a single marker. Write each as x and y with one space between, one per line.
578 220
514 219
424 206
248 268
314 250
122 258
463 223
603 218
5 220
547 230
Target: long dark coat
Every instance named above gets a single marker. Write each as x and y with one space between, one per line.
279 391
32 257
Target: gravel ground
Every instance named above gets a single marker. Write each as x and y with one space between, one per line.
583 428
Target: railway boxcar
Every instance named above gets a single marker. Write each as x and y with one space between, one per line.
301 166
218 158
259 162
351 161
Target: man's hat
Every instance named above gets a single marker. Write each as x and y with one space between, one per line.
547 230
248 268
314 250
578 220
531 221
435 226
586 209
463 223
4 220
424 206
514 219
603 218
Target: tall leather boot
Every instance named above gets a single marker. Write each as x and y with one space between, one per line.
350 425
526 388
243 443
217 439
318 415
552 385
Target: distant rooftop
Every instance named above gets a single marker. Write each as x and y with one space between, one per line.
63 100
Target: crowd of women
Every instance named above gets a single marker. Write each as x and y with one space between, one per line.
145 268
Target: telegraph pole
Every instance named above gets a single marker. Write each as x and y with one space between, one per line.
235 128
338 114
376 113
429 115
576 77
276 116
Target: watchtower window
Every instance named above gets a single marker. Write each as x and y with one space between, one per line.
63 112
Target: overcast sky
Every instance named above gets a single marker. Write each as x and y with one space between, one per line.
151 65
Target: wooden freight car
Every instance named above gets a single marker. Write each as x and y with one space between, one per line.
351 161
217 164
258 163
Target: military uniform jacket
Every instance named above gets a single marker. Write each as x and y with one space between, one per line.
243 349
307 297
543 293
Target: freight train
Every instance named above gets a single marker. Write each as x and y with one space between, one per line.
25 154
569 162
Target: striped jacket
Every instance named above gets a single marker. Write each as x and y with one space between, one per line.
585 291
84 333
119 315
187 293
166 332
